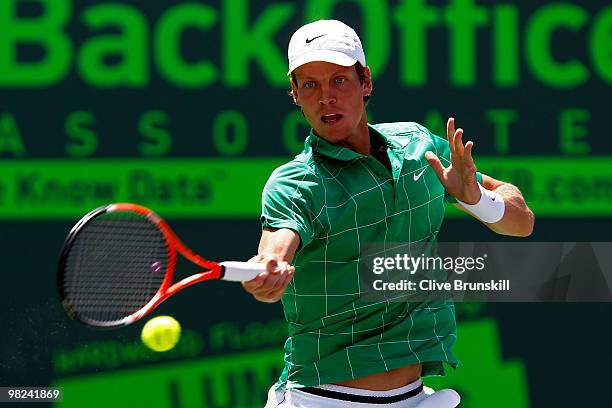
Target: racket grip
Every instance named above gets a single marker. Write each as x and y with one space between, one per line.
241 271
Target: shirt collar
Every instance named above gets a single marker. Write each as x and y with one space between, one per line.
338 152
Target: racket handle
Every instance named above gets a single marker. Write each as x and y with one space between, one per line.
241 271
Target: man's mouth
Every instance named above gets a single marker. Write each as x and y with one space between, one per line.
331 118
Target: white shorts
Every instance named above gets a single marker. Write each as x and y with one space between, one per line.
336 396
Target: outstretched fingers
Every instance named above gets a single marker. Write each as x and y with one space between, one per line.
434 162
470 166
458 140
450 133
468 153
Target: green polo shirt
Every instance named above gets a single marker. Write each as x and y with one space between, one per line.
340 201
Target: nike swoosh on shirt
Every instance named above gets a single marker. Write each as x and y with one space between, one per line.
309 40
418 176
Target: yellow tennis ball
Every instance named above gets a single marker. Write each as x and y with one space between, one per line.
161 333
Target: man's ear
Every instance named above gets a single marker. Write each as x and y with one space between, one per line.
367 82
294 93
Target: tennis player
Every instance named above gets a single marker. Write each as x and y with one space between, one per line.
356 183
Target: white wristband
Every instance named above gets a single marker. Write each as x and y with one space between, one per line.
490 208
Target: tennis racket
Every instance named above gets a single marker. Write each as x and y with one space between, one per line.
117 265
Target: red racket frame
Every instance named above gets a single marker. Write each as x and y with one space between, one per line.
214 269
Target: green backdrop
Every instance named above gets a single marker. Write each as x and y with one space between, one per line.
182 107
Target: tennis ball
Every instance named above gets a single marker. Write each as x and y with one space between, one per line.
161 333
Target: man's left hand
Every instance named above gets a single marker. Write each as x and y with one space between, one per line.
459 178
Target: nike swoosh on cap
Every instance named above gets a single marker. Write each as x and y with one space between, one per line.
309 40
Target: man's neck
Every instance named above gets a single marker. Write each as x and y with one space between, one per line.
360 141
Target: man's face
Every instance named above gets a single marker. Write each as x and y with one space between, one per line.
331 97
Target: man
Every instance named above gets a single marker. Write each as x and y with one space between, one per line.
356 184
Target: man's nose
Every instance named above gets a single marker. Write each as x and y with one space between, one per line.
327 96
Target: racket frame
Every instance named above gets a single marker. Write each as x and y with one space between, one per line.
213 270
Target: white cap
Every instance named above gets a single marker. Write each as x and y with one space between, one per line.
325 40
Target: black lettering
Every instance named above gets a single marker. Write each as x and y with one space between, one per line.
104 191
213 400
257 385
602 188
78 191
26 187
140 186
143 186
523 179
164 190
175 399
578 189
33 189
203 192
554 188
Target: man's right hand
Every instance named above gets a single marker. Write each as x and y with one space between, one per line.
270 285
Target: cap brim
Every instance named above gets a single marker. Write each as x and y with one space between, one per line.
334 57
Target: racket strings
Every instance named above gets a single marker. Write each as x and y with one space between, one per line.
116 264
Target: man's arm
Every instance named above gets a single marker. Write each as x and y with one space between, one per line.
518 219
276 249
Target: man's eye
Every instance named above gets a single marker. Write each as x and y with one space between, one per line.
340 80
309 84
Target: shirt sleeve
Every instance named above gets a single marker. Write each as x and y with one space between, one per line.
287 201
442 150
